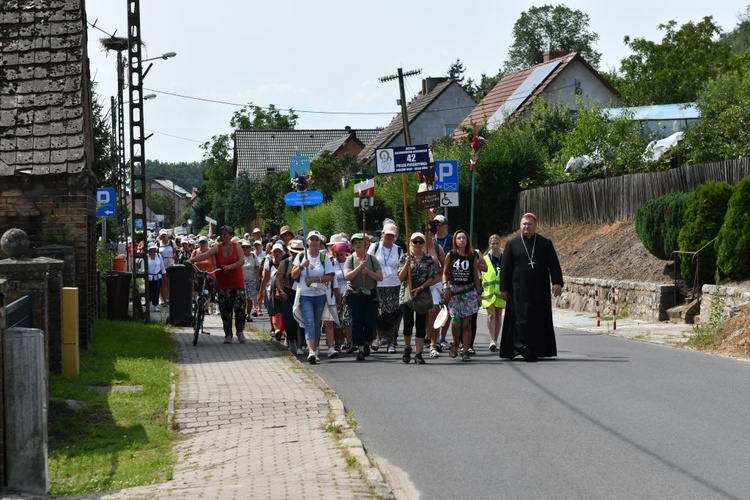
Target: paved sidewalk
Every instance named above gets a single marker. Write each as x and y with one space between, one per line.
663 332
253 420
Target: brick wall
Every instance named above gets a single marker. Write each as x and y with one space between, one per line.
57 209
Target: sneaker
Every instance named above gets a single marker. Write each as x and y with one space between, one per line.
434 353
311 358
367 350
293 347
351 349
156 309
228 339
241 338
360 356
300 352
332 353
438 347
493 347
317 355
418 359
374 346
391 349
249 319
471 351
254 314
406 357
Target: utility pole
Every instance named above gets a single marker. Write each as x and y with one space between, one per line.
407 140
137 162
404 115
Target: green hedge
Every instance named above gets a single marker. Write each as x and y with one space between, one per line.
703 218
658 223
733 243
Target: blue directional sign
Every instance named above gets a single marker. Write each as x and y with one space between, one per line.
298 165
402 159
105 202
303 198
446 175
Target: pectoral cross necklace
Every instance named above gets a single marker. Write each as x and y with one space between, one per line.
533 247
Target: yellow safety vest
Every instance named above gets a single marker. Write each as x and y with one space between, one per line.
491 286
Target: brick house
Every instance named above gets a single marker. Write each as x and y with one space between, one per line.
47 183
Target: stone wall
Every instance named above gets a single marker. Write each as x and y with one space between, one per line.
731 298
644 301
57 209
3 288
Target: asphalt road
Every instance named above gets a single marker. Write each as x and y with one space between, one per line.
609 418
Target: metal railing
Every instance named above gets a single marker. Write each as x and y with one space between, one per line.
696 270
19 313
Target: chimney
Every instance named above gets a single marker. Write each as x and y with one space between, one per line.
553 54
428 84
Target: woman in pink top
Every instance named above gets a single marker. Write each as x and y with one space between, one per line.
230 282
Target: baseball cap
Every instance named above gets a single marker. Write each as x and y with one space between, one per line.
440 218
256 230
357 236
245 243
284 230
277 246
416 235
202 239
152 246
390 229
163 231
315 234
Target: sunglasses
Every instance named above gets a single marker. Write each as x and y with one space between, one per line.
418 242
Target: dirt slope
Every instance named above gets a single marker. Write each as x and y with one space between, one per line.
613 251
606 251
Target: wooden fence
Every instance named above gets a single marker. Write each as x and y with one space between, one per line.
618 198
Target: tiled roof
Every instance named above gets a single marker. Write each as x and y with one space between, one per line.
261 151
515 91
44 96
413 109
173 188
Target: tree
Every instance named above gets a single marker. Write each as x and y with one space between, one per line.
674 70
477 91
733 243
550 28
739 37
704 216
330 174
162 204
268 197
723 130
218 172
241 209
103 167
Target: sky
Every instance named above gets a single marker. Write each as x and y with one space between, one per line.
324 58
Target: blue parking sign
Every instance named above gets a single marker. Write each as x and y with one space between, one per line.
105 202
446 175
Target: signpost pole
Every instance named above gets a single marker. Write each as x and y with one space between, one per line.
471 218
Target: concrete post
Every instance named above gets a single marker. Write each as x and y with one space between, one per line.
25 377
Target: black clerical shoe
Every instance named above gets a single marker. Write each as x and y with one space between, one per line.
528 354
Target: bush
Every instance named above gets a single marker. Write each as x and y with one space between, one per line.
658 223
733 243
704 215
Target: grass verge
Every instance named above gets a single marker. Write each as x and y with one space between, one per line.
119 438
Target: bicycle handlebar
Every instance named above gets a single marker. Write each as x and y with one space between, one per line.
203 271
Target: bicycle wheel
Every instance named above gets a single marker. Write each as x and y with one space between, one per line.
198 318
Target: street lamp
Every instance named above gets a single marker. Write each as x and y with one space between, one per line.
164 56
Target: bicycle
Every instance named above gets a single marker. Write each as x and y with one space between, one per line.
202 296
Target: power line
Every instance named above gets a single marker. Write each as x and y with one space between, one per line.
289 110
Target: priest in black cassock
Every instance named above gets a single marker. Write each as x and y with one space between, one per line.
529 264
